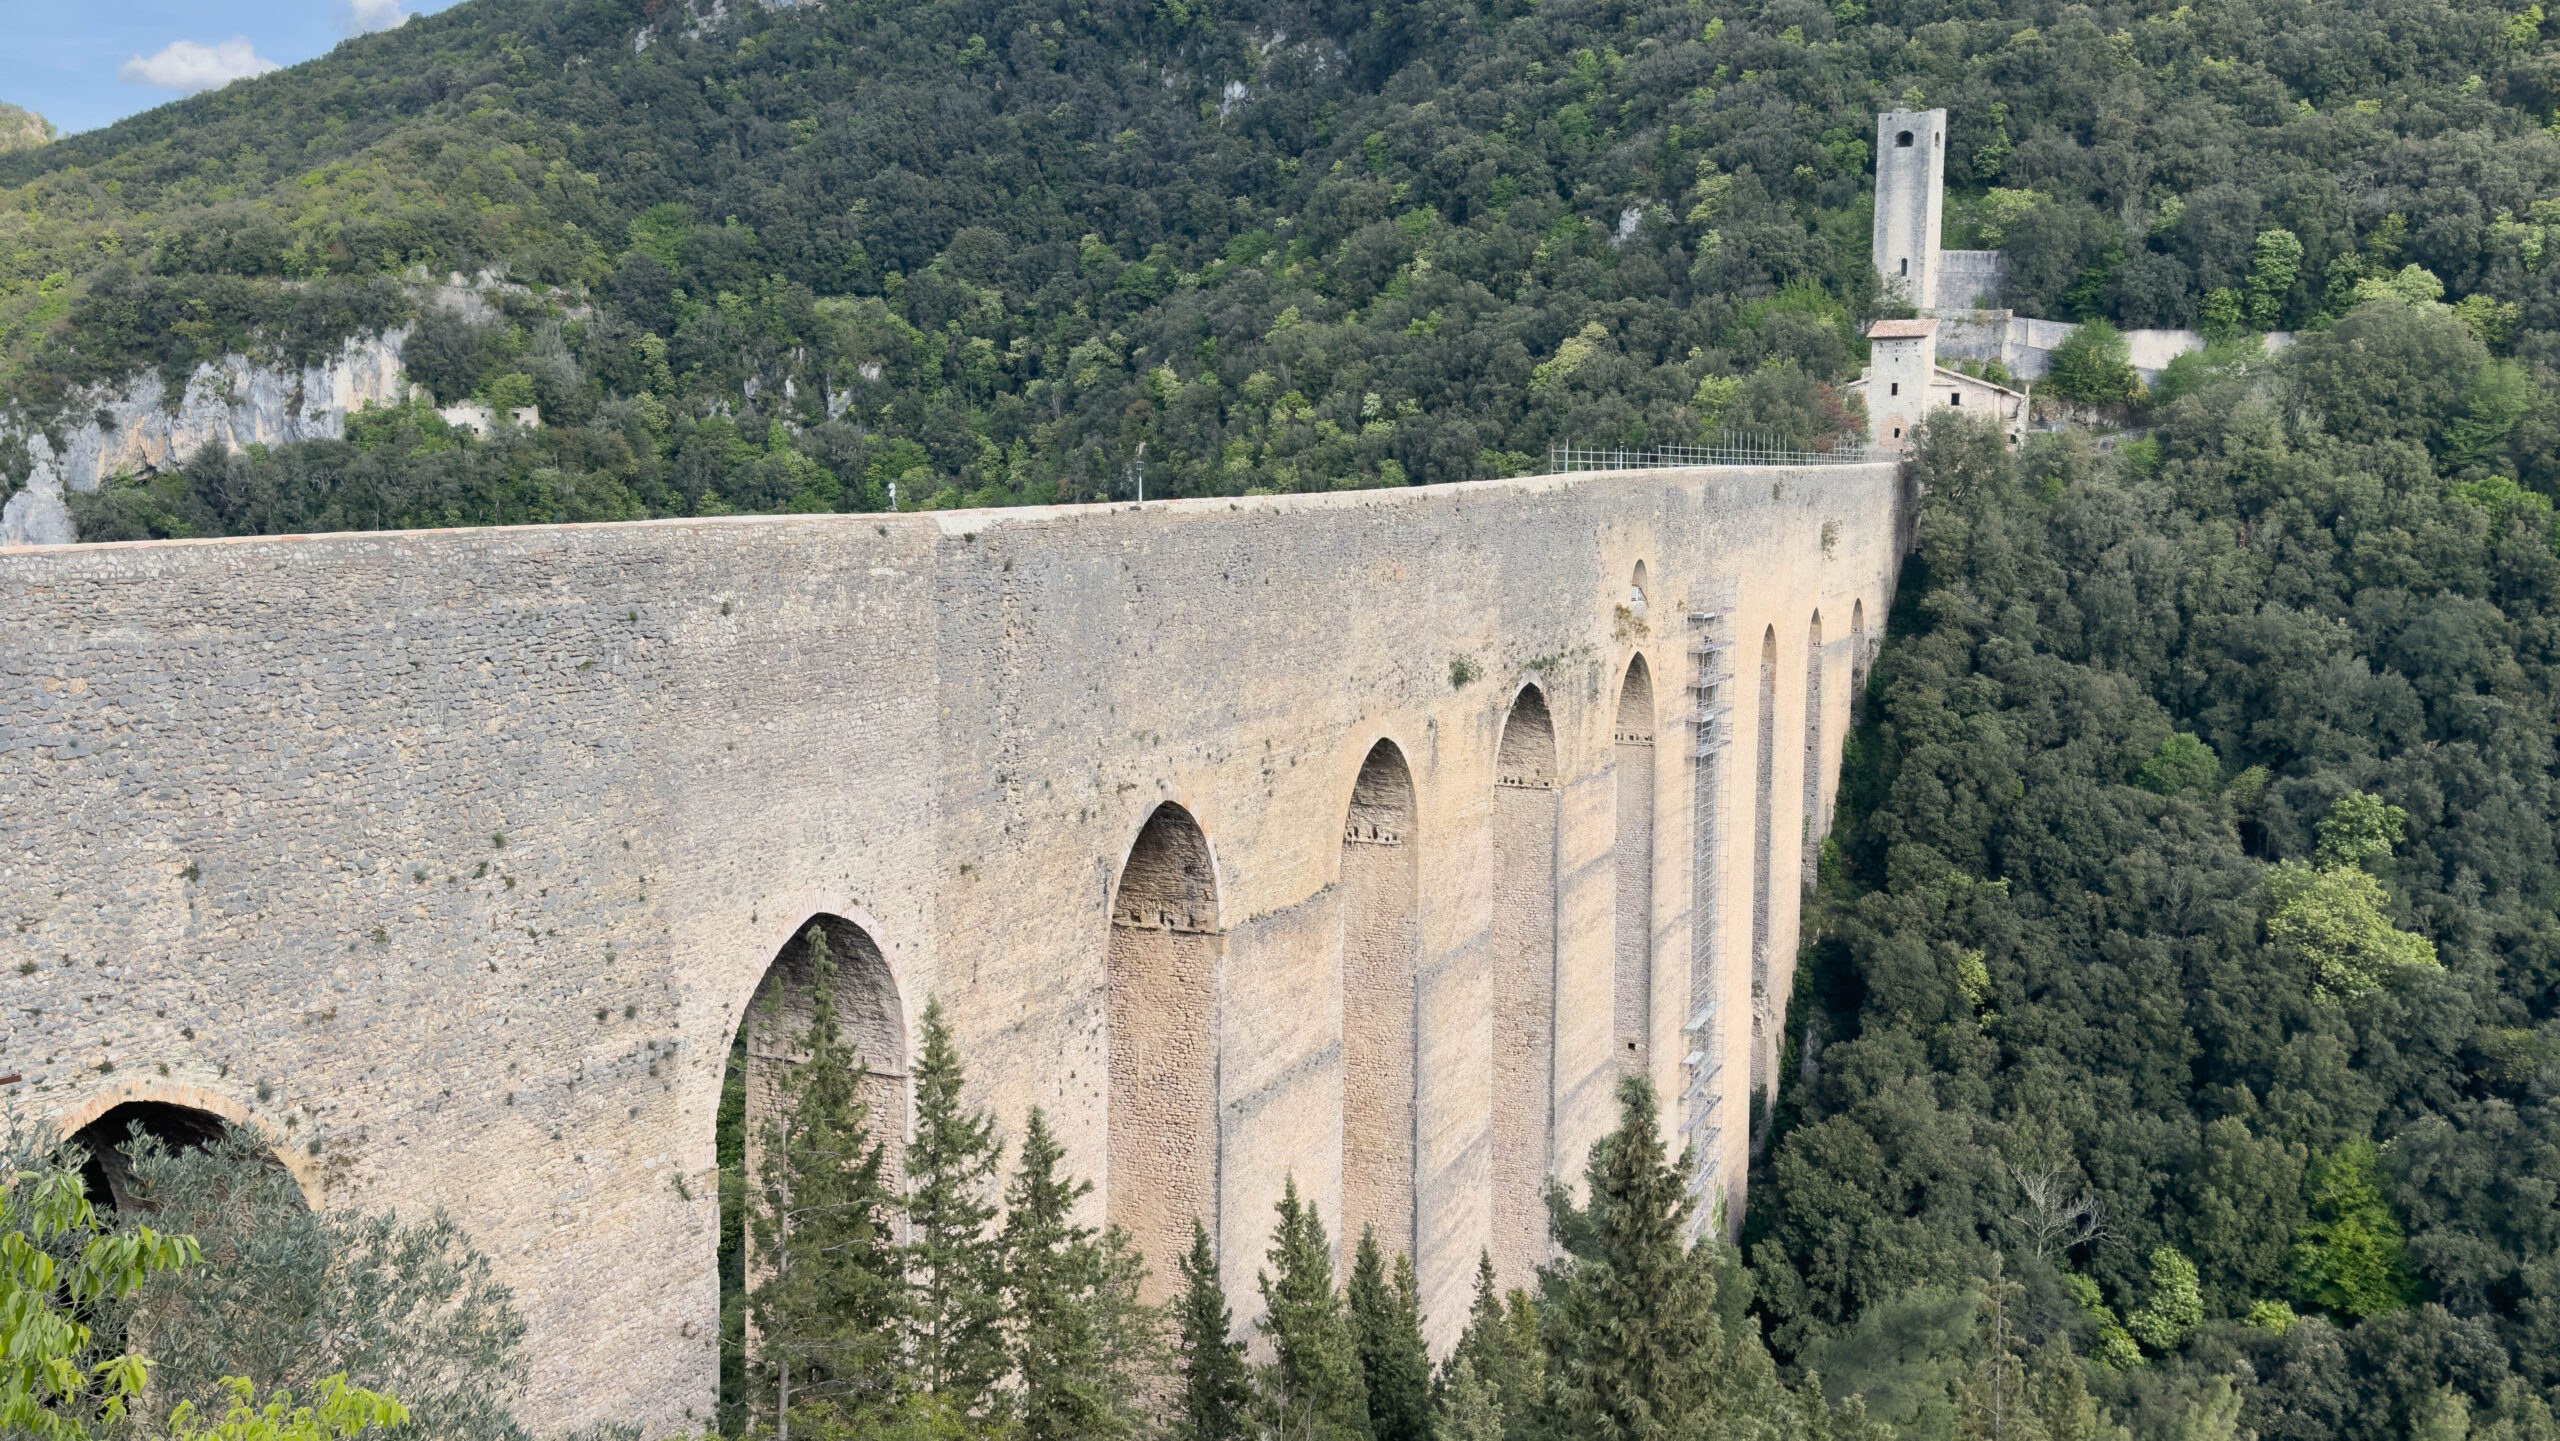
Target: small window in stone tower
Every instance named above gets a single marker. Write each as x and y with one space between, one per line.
1903 140
1906 265
1896 388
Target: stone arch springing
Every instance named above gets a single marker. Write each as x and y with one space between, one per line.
1381 952
1165 945
107 1174
1816 825
1763 859
1631 856
1525 811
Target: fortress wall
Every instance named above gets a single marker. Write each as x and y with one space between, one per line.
224 766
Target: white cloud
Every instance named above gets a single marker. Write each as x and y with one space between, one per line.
366 16
187 67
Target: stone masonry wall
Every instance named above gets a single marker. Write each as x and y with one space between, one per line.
453 858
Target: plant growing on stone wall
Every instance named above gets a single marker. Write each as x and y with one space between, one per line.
287 1297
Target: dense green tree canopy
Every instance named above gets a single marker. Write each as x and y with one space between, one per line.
2224 764
985 251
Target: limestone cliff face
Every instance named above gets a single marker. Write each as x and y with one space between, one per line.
134 429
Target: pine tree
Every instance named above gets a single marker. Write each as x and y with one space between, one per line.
1993 1404
1312 1388
1386 1325
1135 1361
1498 1356
1633 1339
953 1261
828 1290
1215 1387
1053 1281
1465 1407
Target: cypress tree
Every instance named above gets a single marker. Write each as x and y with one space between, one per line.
953 1261
1496 1374
1215 1387
828 1286
1634 1343
1312 1388
1053 1279
1386 1325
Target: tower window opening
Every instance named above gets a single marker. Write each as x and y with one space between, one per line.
1895 388
1902 141
1906 265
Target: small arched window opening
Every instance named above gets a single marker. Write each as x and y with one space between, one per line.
1906 265
1903 140
1635 592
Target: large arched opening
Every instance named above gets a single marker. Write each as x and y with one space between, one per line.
771 1040
1381 950
106 1174
1631 855
1163 1104
1525 805
1857 661
1815 826
1764 795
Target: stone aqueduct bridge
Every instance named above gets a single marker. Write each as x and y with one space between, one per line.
1360 837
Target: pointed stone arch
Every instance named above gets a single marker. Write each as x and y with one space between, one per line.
1381 954
1764 796
1160 1018
1631 857
871 1019
770 1040
1857 661
1525 817
1815 823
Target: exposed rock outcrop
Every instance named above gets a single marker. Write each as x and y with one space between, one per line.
134 430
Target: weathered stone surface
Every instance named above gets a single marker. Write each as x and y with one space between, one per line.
132 430
453 858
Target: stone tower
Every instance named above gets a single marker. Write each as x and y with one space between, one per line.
1911 150
1902 360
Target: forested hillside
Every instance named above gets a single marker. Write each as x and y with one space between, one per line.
987 251
2188 940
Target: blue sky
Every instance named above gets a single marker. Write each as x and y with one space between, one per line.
84 63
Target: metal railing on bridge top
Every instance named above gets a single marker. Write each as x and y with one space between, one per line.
1746 448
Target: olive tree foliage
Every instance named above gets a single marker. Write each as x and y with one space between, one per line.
288 1297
